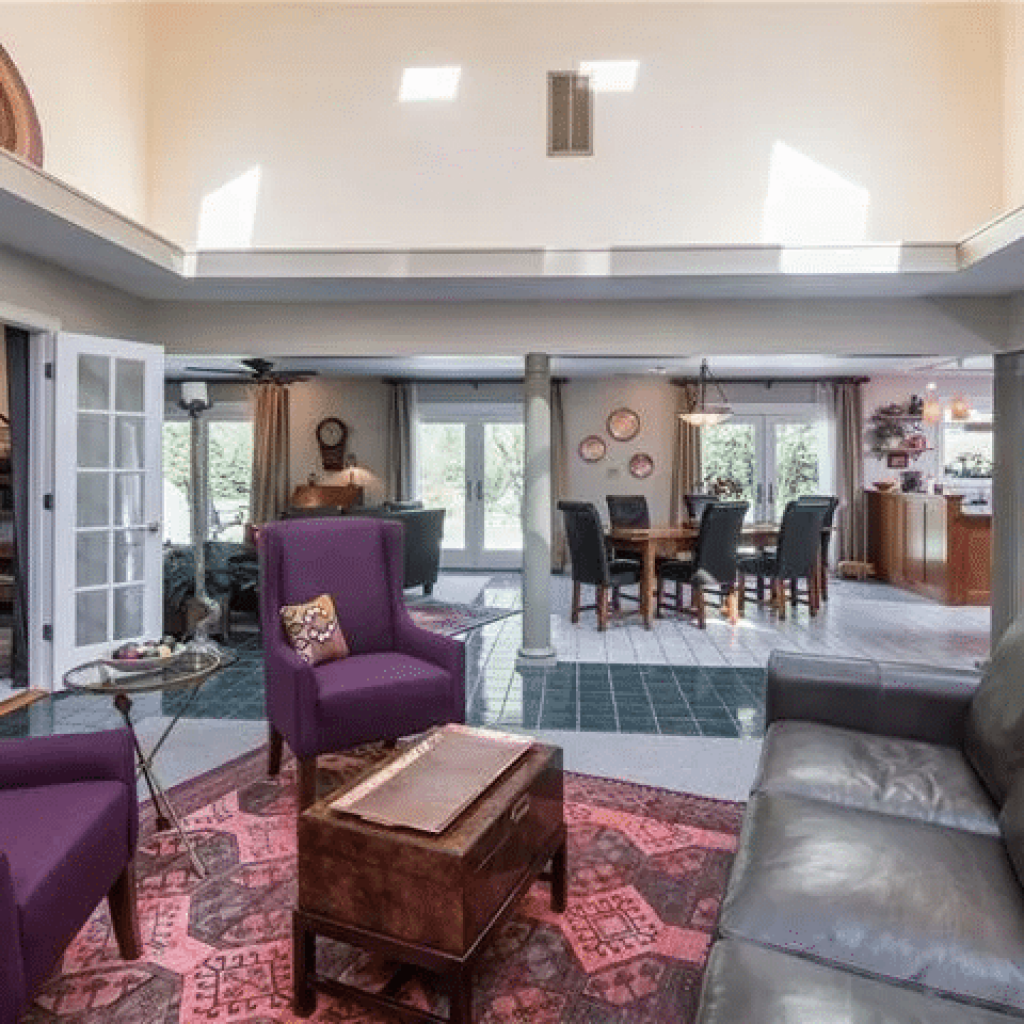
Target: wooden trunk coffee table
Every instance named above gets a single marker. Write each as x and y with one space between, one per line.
427 901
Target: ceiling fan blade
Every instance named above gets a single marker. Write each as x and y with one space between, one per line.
238 372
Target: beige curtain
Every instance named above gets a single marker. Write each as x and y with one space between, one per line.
686 476
851 515
559 477
401 427
271 476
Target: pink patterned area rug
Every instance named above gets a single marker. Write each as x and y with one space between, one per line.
647 870
450 619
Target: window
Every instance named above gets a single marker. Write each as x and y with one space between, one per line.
229 473
967 447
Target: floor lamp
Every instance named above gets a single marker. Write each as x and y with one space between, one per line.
201 609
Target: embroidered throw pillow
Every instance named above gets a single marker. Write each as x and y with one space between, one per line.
312 629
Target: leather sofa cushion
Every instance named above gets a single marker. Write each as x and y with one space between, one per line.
66 845
887 896
748 984
994 734
1011 821
878 773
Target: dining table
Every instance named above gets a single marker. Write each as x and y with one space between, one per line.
650 541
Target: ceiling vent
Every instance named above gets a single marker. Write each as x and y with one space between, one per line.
570 114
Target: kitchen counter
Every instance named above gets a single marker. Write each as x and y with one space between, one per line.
932 544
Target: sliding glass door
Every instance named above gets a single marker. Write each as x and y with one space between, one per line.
470 462
772 458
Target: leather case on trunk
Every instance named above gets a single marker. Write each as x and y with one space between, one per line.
437 891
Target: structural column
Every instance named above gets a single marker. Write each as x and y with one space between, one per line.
537 511
1007 492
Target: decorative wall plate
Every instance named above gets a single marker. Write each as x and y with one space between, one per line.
623 424
19 124
592 448
641 465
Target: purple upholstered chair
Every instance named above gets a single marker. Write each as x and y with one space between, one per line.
398 679
69 819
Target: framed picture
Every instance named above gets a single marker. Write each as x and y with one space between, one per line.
592 448
897 460
623 424
641 465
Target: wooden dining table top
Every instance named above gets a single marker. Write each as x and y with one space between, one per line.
682 531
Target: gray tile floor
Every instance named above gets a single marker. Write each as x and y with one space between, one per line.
674 706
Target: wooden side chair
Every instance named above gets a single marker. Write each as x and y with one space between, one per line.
591 563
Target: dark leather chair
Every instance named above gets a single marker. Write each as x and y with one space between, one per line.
398 679
713 564
423 530
69 823
628 510
591 564
696 503
796 558
832 503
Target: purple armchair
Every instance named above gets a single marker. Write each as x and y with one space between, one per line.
69 820
398 679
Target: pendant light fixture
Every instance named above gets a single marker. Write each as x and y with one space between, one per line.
960 409
703 413
931 410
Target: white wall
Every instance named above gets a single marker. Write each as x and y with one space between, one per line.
587 403
903 101
362 405
882 391
1013 103
85 68
79 304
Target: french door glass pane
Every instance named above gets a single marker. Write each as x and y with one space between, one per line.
90 617
728 454
92 558
93 440
130 390
442 449
798 448
93 382
128 608
503 486
229 443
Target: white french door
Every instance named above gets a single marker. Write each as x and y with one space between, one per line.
774 457
108 410
470 462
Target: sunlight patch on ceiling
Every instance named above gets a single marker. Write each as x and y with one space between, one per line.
429 84
810 204
610 75
227 216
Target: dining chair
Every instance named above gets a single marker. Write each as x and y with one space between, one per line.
591 563
713 563
832 503
628 510
397 679
696 503
795 558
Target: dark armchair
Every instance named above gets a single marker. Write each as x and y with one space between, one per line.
68 829
398 679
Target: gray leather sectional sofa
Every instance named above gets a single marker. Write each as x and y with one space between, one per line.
880 866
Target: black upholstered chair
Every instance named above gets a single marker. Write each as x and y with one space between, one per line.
628 510
696 503
713 563
591 563
832 503
796 558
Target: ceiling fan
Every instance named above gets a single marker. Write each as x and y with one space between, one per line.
254 369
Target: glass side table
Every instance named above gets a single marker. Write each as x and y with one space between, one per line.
187 671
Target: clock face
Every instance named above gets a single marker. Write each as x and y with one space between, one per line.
330 433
